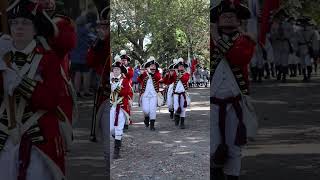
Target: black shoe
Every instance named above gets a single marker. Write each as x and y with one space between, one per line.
177 119
126 127
171 114
117 145
93 139
229 177
146 121
182 123
216 174
152 121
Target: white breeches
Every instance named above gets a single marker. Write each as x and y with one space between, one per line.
117 131
149 106
176 105
233 163
169 97
9 164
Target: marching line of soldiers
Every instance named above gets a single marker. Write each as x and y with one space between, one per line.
291 49
150 96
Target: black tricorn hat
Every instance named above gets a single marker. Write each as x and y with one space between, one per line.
225 6
180 62
34 11
123 55
150 61
118 64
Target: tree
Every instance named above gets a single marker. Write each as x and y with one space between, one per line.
172 27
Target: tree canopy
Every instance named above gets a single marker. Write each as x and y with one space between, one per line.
166 29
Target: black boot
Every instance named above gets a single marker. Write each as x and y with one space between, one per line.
260 74
146 121
182 123
299 69
284 73
216 174
171 114
117 145
254 74
267 69
295 69
309 69
304 74
279 72
229 177
272 70
152 121
177 119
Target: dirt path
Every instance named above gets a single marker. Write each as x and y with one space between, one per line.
288 144
169 152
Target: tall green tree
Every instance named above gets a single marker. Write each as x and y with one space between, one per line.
172 27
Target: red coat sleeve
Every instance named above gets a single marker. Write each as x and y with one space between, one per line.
185 78
157 76
242 51
166 79
141 77
66 38
125 89
130 73
50 91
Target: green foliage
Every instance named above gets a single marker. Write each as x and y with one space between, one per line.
172 26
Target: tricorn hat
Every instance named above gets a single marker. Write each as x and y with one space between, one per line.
225 6
150 61
34 11
118 64
180 62
123 55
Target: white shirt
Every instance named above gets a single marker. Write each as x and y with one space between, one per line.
179 87
224 84
150 90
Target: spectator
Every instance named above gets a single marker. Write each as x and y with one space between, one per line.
135 79
78 57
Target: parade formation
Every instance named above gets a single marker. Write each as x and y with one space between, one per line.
173 93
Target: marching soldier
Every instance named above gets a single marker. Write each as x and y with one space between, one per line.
168 80
119 112
149 81
180 95
308 47
230 57
38 91
125 60
282 45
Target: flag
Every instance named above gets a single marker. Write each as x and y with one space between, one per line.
269 7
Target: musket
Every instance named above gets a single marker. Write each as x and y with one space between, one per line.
101 91
5 29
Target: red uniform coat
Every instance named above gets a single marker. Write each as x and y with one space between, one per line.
63 44
47 95
143 78
240 54
98 54
125 92
169 78
184 79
